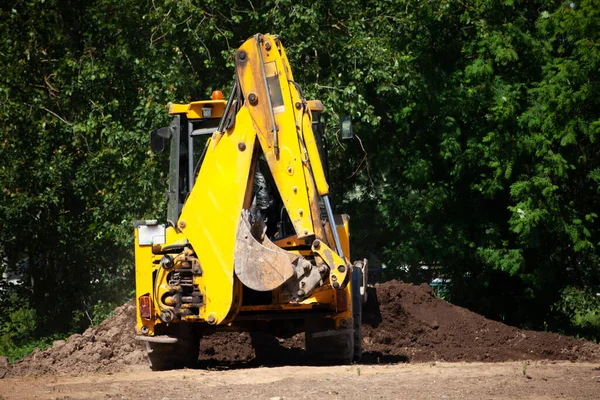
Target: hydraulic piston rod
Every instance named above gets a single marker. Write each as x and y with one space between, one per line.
336 237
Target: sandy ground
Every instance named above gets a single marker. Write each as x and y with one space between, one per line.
509 380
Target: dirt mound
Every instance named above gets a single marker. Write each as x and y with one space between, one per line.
401 322
106 347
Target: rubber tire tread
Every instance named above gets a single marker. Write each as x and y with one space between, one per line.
330 350
166 356
357 313
345 347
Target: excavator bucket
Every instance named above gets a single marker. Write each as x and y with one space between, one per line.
259 263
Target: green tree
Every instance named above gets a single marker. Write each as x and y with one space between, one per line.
476 123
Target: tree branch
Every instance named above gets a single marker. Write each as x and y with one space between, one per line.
57 116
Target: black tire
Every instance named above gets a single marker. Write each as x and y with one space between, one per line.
330 347
161 356
184 353
357 313
325 345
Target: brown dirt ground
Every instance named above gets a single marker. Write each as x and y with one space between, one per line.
401 323
433 380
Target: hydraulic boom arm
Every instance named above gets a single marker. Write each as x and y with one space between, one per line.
269 107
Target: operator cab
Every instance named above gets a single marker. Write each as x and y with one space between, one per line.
188 134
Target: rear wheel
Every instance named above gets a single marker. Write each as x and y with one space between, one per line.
357 313
334 346
339 346
183 353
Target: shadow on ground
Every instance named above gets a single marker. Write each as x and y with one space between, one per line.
297 357
272 353
260 349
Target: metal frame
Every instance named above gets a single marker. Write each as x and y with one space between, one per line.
173 192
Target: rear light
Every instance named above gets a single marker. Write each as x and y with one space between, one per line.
342 300
145 305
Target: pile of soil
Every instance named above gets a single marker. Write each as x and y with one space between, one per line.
401 323
402 320
106 347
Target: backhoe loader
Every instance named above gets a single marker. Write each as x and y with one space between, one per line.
250 242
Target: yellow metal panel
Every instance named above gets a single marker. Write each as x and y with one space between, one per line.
143 279
321 296
313 167
305 125
144 267
291 241
316 106
342 225
290 169
211 214
193 110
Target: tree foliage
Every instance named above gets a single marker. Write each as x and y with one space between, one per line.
477 126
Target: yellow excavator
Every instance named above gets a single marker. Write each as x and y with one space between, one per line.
250 242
